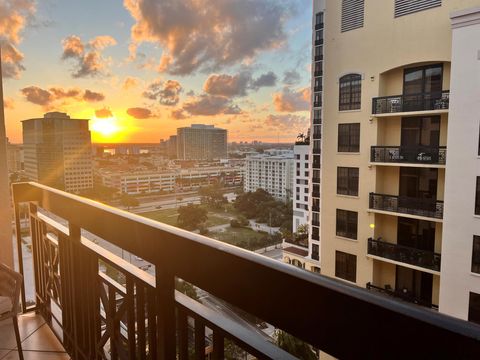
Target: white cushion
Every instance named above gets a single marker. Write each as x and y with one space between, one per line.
5 304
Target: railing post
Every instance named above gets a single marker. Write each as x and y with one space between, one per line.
166 336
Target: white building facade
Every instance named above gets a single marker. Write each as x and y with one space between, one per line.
300 185
272 171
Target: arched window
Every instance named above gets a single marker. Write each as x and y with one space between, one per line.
350 92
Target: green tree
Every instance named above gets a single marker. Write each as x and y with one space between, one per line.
191 216
294 346
128 201
212 196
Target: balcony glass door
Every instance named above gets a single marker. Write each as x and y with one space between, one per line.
418 189
413 285
420 139
422 86
417 234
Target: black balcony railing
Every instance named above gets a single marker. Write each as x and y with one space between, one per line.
407 205
406 103
102 306
317 88
318 42
407 154
404 295
319 26
318 57
417 257
318 73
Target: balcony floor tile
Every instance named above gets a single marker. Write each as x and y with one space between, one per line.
38 341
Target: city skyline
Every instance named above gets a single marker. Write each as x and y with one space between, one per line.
139 79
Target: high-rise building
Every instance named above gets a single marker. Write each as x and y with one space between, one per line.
201 142
58 152
300 184
271 171
387 125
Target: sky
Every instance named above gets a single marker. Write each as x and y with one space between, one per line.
139 69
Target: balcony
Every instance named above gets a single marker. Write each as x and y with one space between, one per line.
430 209
318 73
318 57
317 88
401 295
435 156
404 254
318 42
319 26
102 306
423 103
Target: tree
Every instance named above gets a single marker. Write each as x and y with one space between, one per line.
213 196
191 216
129 201
294 346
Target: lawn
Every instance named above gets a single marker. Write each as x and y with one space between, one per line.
243 237
169 216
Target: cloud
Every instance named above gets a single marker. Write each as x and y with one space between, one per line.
209 105
268 79
92 96
179 114
292 100
14 15
237 85
9 103
139 113
287 122
208 34
56 96
130 83
103 113
87 57
291 77
165 92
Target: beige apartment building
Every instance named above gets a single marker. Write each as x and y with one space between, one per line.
385 125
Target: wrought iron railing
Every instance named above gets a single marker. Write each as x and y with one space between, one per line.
406 103
404 295
413 256
135 315
407 205
408 154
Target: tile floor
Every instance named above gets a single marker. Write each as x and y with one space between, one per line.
38 341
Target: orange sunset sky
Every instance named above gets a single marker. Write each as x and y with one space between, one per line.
141 68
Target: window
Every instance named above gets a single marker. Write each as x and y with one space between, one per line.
474 308
477 197
318 52
319 18
318 37
346 266
317 99
347 224
347 181
348 137
405 7
476 254
315 252
350 92
315 233
353 12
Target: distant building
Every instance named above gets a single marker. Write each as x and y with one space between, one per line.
169 180
14 157
201 142
172 147
57 152
271 171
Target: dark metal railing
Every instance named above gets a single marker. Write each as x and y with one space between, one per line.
319 42
407 205
319 26
136 315
408 154
404 295
406 103
417 257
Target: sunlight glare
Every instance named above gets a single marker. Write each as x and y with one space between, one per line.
107 127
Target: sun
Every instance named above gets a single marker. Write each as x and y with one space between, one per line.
105 128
